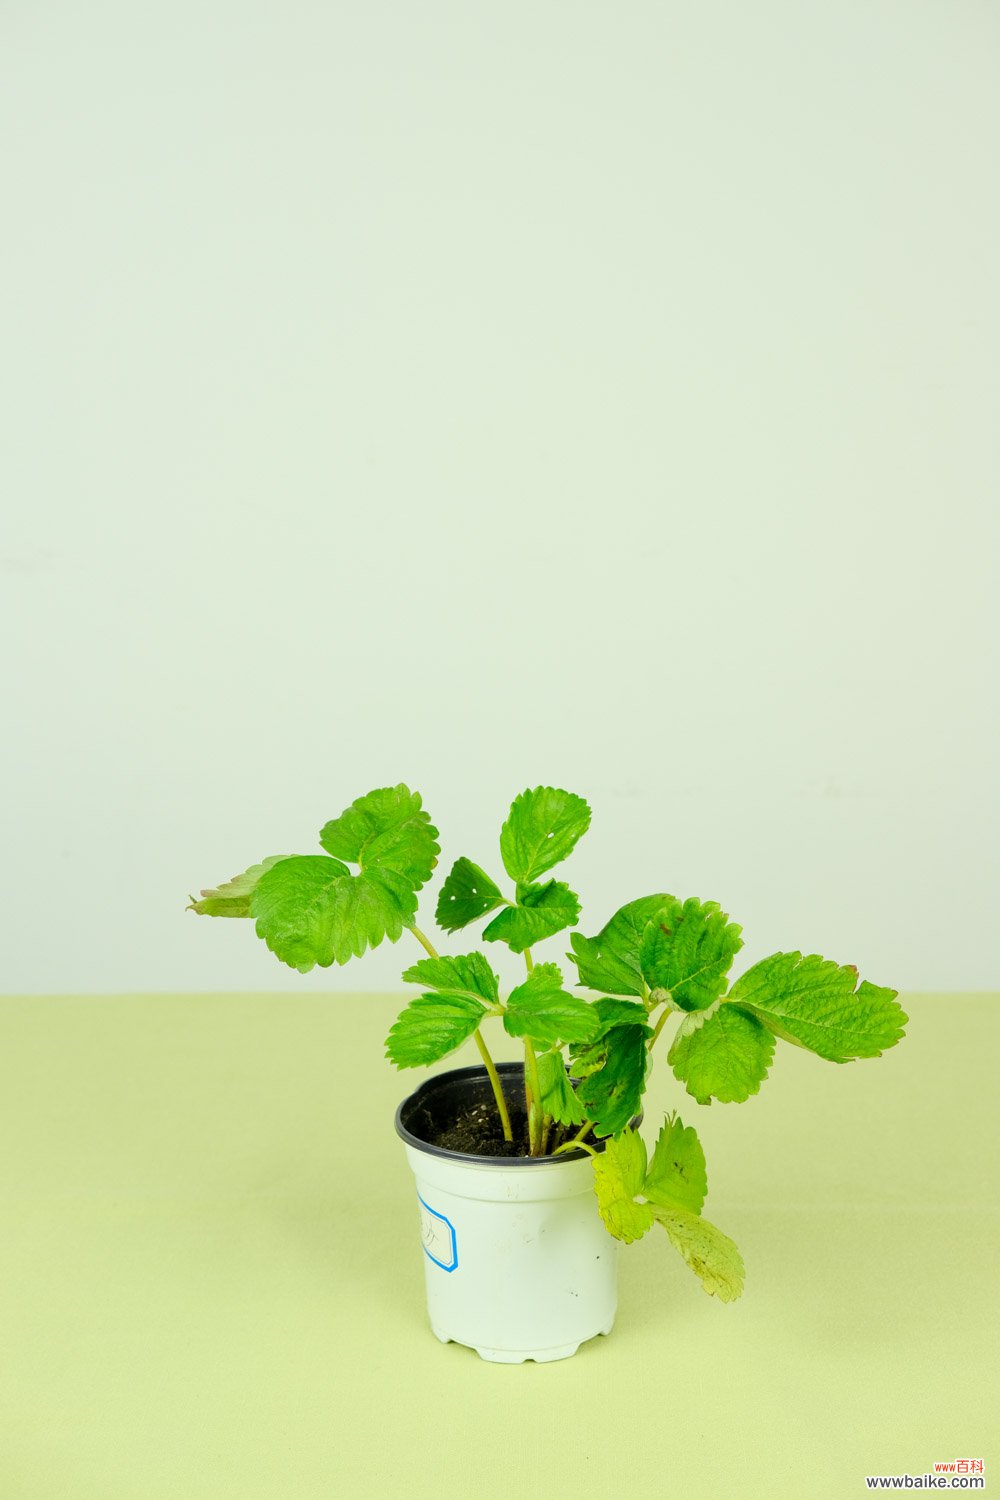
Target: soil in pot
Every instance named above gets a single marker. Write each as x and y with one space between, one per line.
479 1133
457 1112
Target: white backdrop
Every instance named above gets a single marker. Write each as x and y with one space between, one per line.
485 395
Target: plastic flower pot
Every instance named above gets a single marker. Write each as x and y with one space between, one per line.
518 1263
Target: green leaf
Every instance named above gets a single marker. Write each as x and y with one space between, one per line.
688 948
541 1009
541 910
385 830
619 1174
311 910
430 1027
721 1053
294 904
619 1013
233 898
542 828
468 974
610 961
677 1177
370 906
467 894
588 1057
612 1094
711 1254
813 1002
558 1095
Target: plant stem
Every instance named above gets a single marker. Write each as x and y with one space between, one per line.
424 942
494 1077
484 1053
659 1026
534 1098
575 1146
584 1130
528 1098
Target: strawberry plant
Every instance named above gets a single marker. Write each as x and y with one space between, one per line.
659 960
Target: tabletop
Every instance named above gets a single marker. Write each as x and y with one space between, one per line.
211 1279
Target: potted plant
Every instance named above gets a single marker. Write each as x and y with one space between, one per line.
528 1174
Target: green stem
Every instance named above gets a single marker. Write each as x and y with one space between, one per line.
533 1094
659 1026
494 1077
584 1130
531 1075
424 942
575 1146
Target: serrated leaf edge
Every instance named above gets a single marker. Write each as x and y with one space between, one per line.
528 790
698 1019
776 1030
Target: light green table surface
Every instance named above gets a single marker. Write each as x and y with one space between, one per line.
211 1280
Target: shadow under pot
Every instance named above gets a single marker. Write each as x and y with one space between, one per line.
518 1263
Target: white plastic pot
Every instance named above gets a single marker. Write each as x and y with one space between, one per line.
518 1263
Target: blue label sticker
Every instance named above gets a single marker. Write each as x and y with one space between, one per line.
438 1233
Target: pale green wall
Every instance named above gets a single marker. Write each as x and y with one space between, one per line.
481 394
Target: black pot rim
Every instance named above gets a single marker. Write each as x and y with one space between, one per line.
478 1071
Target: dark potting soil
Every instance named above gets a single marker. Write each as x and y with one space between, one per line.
479 1133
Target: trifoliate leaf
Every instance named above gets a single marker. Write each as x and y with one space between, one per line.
467 894
688 948
676 1177
233 898
558 1094
541 1009
386 830
711 1254
813 1002
541 910
468 974
619 1174
721 1053
610 961
430 1027
311 910
542 828
612 1094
